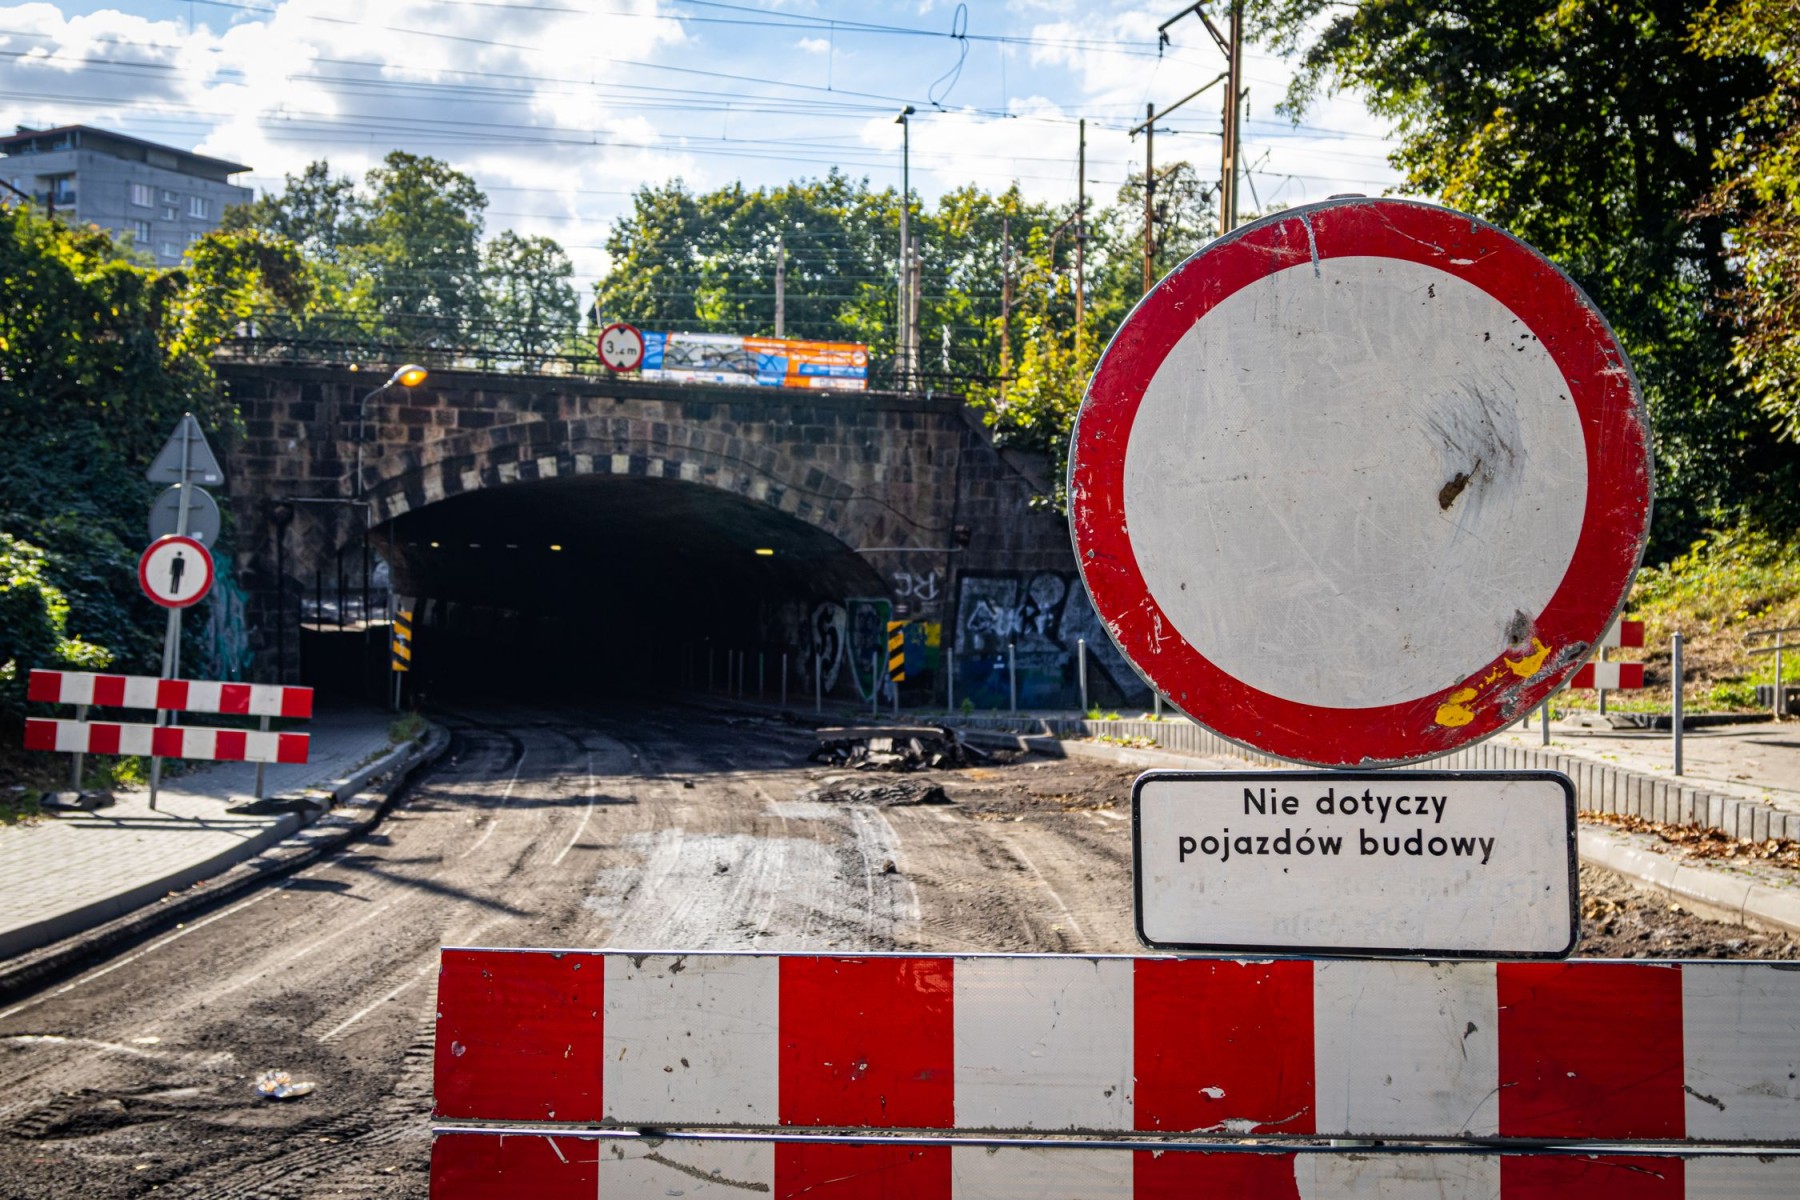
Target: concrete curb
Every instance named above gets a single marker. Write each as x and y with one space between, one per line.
1711 892
291 844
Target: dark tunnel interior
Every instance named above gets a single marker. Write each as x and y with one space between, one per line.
606 584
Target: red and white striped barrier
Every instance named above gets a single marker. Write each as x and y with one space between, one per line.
1587 1051
1622 633
172 695
165 741
1613 676
489 1166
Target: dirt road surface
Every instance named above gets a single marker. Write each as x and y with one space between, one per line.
653 829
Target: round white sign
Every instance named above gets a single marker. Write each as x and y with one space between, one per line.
1360 483
621 347
175 571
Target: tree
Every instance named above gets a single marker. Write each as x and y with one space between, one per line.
320 214
419 255
99 357
1590 128
530 301
1761 197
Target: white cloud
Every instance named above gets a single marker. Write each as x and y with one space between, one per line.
811 45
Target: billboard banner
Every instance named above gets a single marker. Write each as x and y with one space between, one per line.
755 361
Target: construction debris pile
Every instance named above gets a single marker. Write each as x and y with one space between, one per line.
894 748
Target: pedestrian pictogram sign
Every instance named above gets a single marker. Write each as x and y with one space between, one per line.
175 571
401 644
621 347
1361 482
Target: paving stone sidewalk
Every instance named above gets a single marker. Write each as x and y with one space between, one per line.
67 873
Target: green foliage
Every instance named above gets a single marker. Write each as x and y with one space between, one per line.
400 262
34 623
1761 197
99 358
529 297
1739 575
1591 129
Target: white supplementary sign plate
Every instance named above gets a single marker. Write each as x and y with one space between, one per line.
1360 483
1431 864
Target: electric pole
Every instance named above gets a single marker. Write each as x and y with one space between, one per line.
780 287
1234 100
1006 294
915 293
1080 233
1149 128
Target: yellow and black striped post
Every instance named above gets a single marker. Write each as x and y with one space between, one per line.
897 651
400 645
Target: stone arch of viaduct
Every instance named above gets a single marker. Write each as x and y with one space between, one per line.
887 475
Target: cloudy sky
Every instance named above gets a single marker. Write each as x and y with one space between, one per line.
560 108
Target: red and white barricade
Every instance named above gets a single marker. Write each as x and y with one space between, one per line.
1609 676
1614 676
942 1077
168 695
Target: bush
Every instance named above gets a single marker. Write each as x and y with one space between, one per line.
34 618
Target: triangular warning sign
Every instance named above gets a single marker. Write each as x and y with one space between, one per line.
186 444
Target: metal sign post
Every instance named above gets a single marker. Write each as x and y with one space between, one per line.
185 460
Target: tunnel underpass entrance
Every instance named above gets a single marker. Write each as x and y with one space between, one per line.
588 585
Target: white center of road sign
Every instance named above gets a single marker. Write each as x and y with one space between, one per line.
1262 411
175 571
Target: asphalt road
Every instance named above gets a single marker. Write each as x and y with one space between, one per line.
643 829
653 829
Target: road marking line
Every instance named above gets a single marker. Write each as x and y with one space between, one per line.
585 813
505 796
430 966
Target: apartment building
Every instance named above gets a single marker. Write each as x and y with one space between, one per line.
161 197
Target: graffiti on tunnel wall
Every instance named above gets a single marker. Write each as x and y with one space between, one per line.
1043 615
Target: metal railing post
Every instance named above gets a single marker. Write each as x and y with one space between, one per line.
1081 666
949 679
875 682
818 682
784 679
1675 671
1012 677
1544 715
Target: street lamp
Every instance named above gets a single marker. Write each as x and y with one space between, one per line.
409 376
905 324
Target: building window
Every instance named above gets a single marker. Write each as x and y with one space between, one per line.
142 194
197 207
169 197
141 231
169 213
170 250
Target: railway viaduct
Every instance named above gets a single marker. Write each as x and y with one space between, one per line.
608 534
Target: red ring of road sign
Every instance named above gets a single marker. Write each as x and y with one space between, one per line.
206 562
1614 524
637 336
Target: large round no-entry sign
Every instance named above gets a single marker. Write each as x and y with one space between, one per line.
1361 482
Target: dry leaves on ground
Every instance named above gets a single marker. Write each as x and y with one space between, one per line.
1701 841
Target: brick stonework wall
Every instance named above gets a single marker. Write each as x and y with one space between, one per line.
871 469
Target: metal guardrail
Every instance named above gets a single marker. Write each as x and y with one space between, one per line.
1776 646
